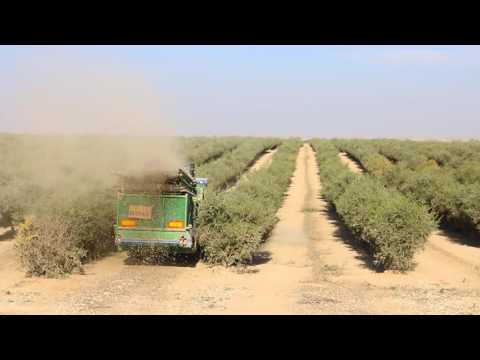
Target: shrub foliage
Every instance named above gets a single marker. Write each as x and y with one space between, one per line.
391 226
438 175
232 225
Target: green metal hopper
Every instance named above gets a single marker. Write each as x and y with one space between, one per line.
160 214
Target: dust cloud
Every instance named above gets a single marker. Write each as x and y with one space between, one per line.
83 122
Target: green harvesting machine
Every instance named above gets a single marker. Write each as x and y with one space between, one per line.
159 211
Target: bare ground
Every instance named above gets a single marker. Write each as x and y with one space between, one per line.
310 265
263 161
352 165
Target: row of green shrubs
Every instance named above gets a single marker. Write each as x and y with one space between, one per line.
454 202
446 154
460 160
65 212
201 150
232 225
227 169
391 226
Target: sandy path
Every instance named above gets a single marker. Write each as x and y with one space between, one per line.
352 165
273 288
10 271
262 162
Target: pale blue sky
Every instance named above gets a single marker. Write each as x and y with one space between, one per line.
324 91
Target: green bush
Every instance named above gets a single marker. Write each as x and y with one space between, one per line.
66 232
46 247
91 218
335 178
467 201
233 225
433 190
468 173
232 245
393 226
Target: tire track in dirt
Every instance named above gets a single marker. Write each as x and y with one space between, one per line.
106 287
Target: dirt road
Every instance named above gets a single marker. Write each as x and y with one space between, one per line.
262 162
10 271
309 265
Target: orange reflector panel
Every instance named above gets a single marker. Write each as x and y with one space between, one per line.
176 224
128 223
